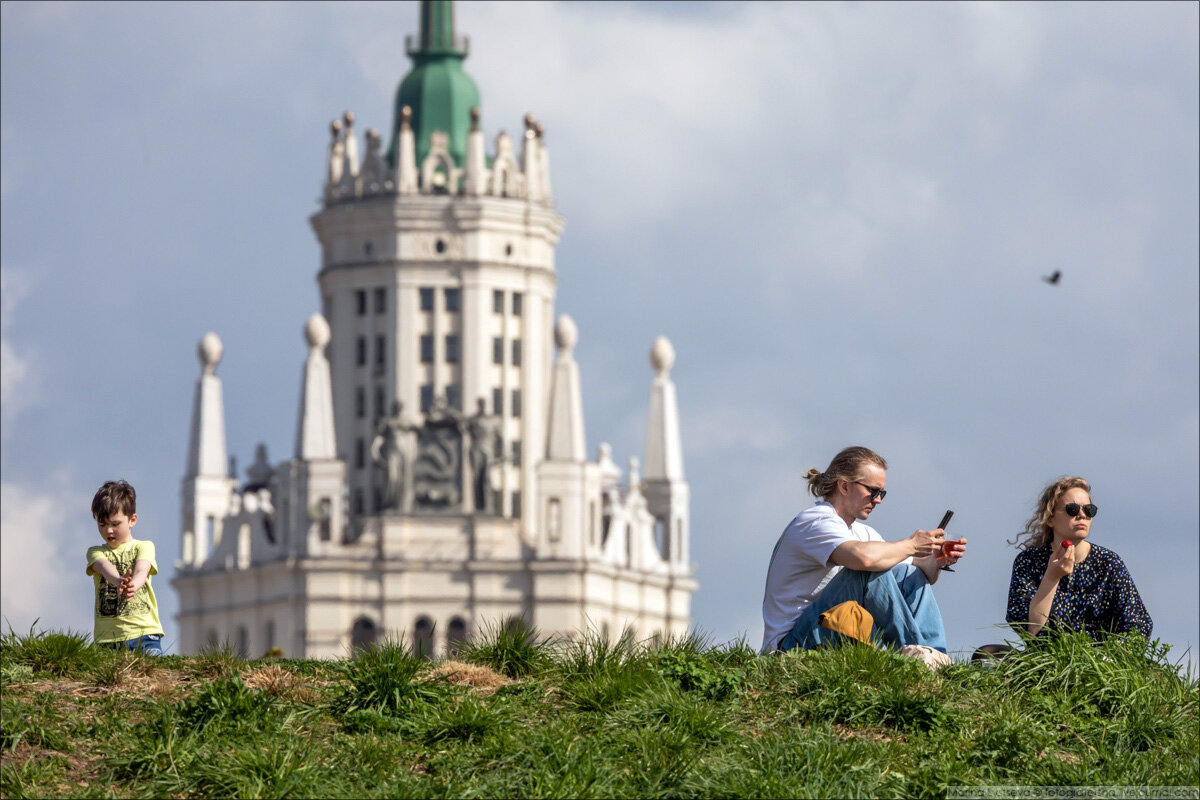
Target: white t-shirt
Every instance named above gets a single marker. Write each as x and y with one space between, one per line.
800 567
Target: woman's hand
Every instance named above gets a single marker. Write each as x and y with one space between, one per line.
1062 561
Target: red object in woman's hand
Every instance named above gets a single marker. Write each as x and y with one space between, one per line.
1066 543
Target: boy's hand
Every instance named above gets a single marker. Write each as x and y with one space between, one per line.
129 587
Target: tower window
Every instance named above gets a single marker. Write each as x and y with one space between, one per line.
508 249
497 350
360 453
380 301
440 244
498 301
452 299
456 635
361 356
380 401
454 396
516 352
242 641
452 348
368 248
360 299
427 348
325 527
423 638
380 350
363 634
516 504
498 401
427 299
360 402
518 302
554 519
426 398
358 501
516 452
516 402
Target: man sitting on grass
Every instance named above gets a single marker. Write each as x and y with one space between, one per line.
827 556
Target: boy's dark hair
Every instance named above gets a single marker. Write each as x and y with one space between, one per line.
113 498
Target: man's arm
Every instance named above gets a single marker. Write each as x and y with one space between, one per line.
922 546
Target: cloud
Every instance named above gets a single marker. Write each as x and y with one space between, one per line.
13 368
16 378
42 566
41 574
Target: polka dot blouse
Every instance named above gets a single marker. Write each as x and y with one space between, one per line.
1098 597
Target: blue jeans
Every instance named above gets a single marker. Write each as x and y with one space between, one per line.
900 600
150 644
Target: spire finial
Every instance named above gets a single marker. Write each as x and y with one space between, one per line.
209 351
437 28
566 334
315 438
662 355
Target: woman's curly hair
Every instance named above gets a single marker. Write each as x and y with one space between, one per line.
1037 532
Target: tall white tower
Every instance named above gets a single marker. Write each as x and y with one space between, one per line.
440 480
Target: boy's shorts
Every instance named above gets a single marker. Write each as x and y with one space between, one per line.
150 644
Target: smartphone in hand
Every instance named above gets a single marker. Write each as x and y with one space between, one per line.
945 543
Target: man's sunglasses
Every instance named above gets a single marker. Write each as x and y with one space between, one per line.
1089 510
874 490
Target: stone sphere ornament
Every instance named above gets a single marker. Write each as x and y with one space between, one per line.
662 355
316 331
209 351
565 333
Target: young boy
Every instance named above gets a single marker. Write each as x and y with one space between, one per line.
126 611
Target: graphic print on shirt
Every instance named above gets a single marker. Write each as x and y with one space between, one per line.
108 598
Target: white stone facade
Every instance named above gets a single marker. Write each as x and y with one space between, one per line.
437 282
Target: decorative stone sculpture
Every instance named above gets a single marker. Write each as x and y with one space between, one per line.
392 450
438 468
373 171
485 448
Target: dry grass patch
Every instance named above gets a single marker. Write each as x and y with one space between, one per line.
279 682
479 680
158 684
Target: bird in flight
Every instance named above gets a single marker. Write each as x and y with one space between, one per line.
1053 279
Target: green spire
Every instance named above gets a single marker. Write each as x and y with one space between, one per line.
437 90
437 28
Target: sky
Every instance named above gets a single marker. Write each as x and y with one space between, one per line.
840 214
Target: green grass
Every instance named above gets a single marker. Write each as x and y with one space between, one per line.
588 718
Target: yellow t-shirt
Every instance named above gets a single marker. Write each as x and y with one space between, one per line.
117 619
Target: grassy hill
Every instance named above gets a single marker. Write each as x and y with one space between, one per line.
516 716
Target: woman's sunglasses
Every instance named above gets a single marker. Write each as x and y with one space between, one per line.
1089 510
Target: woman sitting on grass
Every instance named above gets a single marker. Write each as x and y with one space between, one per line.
1060 580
